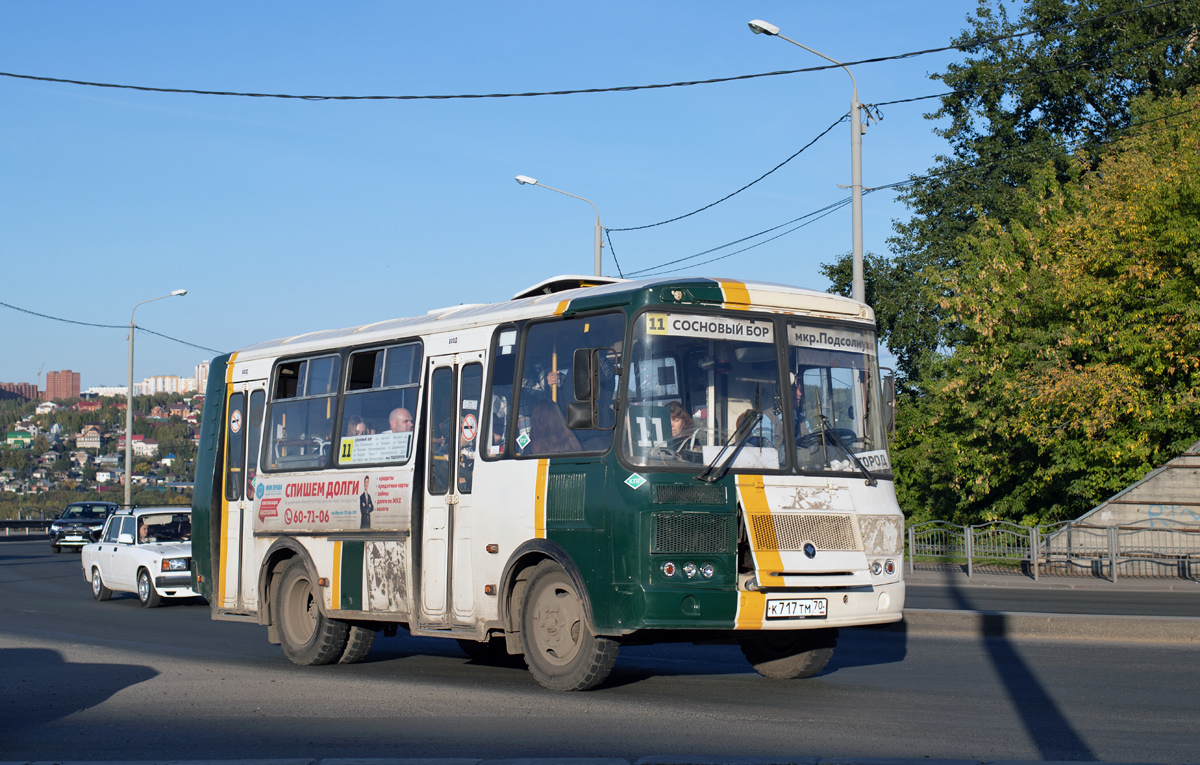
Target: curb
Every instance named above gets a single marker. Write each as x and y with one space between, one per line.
1016 624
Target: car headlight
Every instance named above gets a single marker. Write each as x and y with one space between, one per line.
175 564
55 527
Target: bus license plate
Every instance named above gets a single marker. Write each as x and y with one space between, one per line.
797 608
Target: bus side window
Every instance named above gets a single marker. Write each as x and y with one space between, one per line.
499 394
547 388
379 406
235 454
302 410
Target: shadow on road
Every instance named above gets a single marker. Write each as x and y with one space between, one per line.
39 687
1048 728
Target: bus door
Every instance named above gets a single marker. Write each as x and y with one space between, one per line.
243 433
455 386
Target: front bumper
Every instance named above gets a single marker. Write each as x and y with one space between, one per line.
71 538
178 585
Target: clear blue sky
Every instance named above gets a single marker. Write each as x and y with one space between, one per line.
282 217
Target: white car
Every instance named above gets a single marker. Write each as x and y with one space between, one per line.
147 551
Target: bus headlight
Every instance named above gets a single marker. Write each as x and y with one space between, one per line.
707 570
876 568
668 568
689 569
889 567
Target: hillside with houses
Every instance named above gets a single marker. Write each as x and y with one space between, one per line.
56 452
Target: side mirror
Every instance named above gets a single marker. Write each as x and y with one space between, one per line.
579 415
889 401
125 539
581 371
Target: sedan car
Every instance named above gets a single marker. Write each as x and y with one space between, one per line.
79 524
147 551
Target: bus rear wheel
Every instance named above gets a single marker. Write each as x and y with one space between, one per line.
792 654
562 652
358 644
307 635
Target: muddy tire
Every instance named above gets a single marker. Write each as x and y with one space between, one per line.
561 650
358 644
307 636
792 654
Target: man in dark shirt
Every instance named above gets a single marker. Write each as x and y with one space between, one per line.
366 505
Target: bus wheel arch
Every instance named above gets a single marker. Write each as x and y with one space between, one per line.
275 561
515 579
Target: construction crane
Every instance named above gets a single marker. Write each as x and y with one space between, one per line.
39 384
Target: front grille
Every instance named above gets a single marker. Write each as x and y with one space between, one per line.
693 533
790 531
689 494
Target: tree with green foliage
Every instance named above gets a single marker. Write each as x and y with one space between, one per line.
1019 101
998 418
1078 367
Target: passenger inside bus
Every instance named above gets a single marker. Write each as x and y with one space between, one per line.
400 420
683 428
548 433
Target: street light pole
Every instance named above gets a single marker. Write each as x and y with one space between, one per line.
129 400
599 241
858 288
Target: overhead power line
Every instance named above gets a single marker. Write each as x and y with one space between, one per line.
107 326
822 134
579 91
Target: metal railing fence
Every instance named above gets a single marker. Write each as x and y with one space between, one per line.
1149 548
26 527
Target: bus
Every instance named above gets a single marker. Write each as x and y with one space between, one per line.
595 462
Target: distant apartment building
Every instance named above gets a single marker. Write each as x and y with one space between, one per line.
108 390
23 391
64 384
202 376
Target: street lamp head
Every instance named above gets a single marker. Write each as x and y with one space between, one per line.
760 27
524 179
177 293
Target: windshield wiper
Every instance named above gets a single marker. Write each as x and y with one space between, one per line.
713 473
827 430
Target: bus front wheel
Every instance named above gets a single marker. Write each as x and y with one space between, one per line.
562 652
792 654
307 635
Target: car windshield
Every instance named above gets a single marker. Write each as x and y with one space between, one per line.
692 380
164 527
85 513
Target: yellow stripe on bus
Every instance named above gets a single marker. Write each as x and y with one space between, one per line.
562 307
751 607
762 535
222 574
539 500
736 295
224 596
335 579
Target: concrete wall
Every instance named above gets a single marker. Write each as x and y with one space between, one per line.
1168 493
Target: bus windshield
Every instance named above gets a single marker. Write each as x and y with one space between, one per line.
835 402
694 378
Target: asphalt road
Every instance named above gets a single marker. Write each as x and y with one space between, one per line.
81 680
